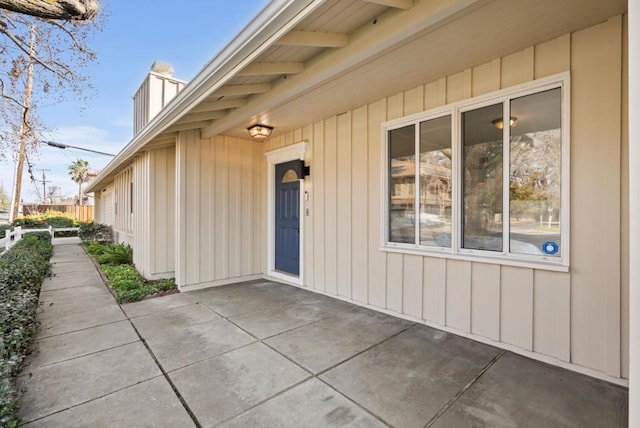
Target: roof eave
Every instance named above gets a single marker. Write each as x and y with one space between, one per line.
276 18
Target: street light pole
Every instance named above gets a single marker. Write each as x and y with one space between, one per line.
65 146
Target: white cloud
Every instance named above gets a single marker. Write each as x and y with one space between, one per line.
123 122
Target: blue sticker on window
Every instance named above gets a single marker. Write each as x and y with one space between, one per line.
550 248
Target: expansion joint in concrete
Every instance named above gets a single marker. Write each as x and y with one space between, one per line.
464 389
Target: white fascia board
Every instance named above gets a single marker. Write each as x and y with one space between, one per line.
275 20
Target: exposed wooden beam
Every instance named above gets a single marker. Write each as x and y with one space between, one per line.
167 136
256 88
363 45
188 126
398 4
164 140
207 115
219 105
160 143
312 38
270 68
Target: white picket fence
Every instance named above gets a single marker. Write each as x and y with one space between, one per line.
14 235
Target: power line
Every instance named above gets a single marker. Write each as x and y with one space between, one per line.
33 179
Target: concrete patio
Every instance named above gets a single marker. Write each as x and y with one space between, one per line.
267 354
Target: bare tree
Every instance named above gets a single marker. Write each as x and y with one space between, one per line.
41 63
57 9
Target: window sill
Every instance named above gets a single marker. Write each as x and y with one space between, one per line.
556 266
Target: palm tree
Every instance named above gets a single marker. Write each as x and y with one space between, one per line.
79 171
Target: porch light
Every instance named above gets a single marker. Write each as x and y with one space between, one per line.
498 123
259 131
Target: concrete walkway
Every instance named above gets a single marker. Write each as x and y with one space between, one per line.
270 355
90 367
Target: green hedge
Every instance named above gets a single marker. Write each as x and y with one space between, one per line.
3 230
22 271
49 218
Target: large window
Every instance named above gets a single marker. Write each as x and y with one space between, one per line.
485 178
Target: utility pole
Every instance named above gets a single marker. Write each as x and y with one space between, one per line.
44 185
24 129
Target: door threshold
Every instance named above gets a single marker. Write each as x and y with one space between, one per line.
285 276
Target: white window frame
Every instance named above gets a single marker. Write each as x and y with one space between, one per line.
456 109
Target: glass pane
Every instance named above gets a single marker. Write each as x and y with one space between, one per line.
535 174
482 183
402 176
290 176
435 182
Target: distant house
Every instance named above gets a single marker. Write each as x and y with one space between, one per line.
458 163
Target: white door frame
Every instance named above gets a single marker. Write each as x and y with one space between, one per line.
275 157
634 213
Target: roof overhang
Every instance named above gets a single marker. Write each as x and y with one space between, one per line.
277 18
300 61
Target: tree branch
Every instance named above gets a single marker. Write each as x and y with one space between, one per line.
69 10
8 97
75 44
22 46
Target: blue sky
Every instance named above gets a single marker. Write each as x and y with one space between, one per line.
135 33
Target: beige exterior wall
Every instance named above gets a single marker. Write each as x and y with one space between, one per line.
162 213
122 218
140 227
200 213
148 226
570 317
103 209
220 215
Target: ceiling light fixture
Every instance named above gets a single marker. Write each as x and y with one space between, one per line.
259 131
498 123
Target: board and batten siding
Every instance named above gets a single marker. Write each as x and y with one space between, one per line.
570 317
153 216
220 210
139 213
149 224
122 218
103 209
162 213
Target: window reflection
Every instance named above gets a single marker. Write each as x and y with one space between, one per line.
402 171
535 174
482 183
435 184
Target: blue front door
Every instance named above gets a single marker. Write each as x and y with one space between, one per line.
287 216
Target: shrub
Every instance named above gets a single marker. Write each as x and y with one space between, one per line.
127 282
95 232
130 286
3 230
49 218
22 271
120 254
94 248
